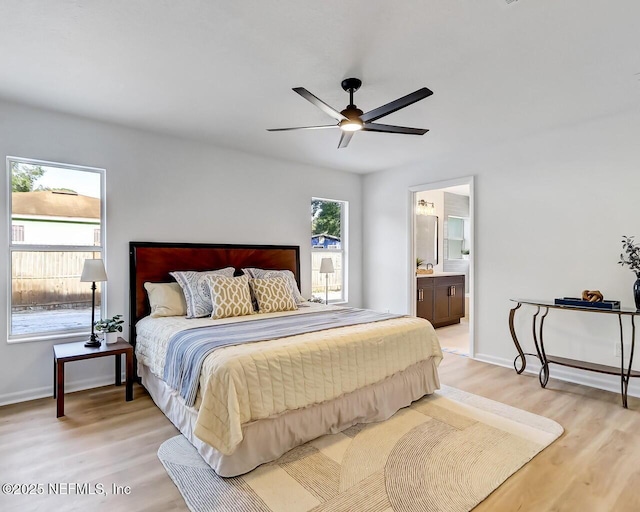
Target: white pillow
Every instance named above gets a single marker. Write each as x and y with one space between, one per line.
230 296
196 290
166 299
258 273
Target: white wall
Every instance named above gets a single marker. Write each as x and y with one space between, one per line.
550 212
160 188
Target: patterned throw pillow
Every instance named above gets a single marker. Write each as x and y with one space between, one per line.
258 273
273 294
196 290
230 296
166 299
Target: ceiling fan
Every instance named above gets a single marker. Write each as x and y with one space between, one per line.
352 119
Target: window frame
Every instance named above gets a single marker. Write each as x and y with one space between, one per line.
22 247
344 244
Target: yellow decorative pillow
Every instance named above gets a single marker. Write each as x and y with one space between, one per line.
166 299
273 294
230 296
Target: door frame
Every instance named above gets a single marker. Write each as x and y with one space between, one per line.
412 198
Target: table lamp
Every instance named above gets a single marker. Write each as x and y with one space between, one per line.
92 272
326 268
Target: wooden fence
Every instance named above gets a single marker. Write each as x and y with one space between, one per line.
50 279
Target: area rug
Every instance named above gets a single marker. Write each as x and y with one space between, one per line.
446 452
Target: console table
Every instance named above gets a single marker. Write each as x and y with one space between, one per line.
538 340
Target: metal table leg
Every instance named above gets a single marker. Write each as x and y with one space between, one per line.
520 355
625 376
543 376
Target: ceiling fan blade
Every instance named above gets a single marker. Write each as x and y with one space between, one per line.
319 103
389 108
388 128
345 138
303 128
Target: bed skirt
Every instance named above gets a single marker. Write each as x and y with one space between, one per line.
267 439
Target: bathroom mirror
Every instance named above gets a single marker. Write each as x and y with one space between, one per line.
427 238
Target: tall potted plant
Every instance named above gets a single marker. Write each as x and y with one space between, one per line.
110 327
632 254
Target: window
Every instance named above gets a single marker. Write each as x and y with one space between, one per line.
329 240
457 238
57 221
17 233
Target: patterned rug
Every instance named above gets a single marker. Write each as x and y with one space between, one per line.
446 452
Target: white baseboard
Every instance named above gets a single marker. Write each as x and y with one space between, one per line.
47 391
584 377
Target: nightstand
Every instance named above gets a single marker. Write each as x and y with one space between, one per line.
65 352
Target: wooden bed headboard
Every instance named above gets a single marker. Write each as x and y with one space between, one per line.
152 261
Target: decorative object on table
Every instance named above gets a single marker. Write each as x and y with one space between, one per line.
316 300
110 327
578 302
419 262
326 268
93 272
633 262
423 271
592 295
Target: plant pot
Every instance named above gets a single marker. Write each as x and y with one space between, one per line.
636 292
111 337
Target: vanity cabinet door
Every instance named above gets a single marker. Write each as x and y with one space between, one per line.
442 310
456 300
425 299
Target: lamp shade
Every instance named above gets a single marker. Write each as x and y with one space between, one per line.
326 266
93 271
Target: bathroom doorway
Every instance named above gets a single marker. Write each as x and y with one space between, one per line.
442 270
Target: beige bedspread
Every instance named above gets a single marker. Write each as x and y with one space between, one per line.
249 382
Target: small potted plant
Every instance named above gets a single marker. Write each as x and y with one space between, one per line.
465 254
633 262
110 327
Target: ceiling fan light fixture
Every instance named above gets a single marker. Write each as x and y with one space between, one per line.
351 125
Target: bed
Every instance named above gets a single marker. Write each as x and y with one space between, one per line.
258 400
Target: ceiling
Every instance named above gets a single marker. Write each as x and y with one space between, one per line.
223 71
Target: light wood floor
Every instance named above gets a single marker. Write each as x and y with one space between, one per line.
455 337
594 466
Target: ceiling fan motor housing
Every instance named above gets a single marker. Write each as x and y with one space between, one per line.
351 84
352 112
